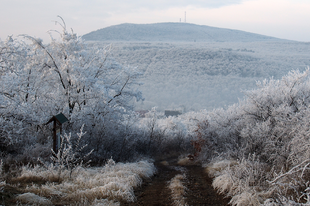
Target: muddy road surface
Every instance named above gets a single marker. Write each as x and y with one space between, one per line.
155 192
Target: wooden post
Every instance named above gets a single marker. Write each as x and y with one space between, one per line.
59 119
54 137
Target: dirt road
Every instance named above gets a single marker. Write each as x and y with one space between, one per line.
199 191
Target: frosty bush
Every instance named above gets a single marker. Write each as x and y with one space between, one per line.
293 185
70 155
163 136
244 180
272 124
69 159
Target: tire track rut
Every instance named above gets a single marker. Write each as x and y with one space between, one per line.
199 191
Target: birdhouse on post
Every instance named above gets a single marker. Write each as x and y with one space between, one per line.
57 120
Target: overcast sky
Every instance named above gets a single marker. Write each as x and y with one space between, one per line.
288 19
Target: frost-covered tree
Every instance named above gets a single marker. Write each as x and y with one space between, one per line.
66 75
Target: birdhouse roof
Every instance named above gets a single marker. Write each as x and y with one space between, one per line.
60 118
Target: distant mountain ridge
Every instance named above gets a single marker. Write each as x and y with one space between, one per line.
173 32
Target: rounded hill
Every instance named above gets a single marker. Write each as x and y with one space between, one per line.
173 32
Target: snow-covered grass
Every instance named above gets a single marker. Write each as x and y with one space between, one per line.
252 183
216 167
178 190
186 161
32 199
244 180
114 182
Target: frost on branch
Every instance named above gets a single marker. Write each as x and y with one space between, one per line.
70 155
66 75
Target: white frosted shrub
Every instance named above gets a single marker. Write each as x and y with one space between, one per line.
293 185
272 124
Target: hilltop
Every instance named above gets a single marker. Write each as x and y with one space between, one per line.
198 67
173 32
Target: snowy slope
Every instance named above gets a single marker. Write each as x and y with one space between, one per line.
198 67
173 32
206 75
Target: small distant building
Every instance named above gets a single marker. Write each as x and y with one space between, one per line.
142 113
172 113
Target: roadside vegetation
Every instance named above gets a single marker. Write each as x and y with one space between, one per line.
258 150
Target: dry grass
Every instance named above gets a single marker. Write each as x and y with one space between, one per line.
178 190
114 182
215 168
243 180
223 183
104 202
246 199
186 161
38 173
32 199
164 163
